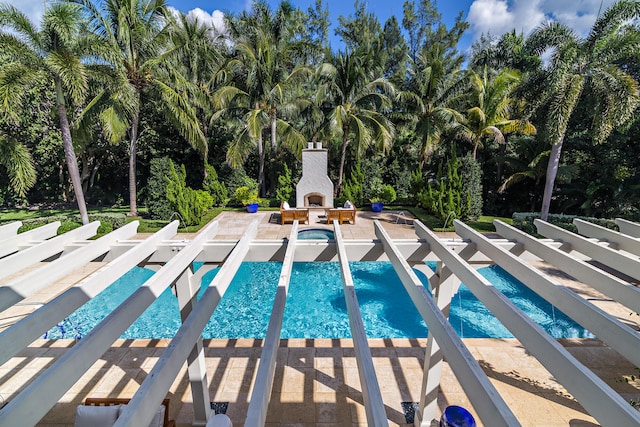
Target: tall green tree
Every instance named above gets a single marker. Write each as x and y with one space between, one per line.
59 51
435 87
360 31
263 74
137 33
16 159
581 68
490 114
357 102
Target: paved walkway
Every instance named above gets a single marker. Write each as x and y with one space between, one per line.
316 381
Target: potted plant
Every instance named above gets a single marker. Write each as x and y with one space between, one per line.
248 197
380 194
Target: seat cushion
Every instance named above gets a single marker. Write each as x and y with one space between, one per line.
348 204
96 416
285 205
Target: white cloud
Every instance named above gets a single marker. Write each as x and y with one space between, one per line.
215 20
32 8
500 16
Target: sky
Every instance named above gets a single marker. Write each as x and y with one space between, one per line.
484 16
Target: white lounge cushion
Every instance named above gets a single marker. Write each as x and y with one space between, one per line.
220 420
285 205
96 416
158 418
348 204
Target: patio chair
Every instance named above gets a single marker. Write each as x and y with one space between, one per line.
346 213
289 214
101 411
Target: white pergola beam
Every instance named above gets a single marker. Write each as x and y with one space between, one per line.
29 283
607 256
371 395
142 407
629 228
24 258
620 337
484 397
27 238
621 241
608 284
600 400
33 326
53 383
10 230
261 394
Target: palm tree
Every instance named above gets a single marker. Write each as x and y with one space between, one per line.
585 67
529 166
17 161
59 51
196 64
357 101
491 110
137 32
262 84
435 87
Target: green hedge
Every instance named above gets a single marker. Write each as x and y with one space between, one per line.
108 222
524 221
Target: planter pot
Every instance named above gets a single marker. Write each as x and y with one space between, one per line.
377 206
252 208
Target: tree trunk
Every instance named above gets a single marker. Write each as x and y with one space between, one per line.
343 156
552 171
133 192
85 172
261 156
69 153
274 123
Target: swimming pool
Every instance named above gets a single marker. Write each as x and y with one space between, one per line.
315 306
316 234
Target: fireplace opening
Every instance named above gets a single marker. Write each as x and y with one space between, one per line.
314 200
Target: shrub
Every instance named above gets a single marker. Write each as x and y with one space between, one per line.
67 226
471 173
246 195
214 187
524 221
284 192
189 203
353 186
379 192
444 196
157 203
108 222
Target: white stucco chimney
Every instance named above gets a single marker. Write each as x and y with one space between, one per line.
315 188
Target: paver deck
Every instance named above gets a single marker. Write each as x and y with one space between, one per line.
316 382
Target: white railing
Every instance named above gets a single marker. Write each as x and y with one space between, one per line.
261 394
605 255
37 323
373 403
491 408
53 383
142 407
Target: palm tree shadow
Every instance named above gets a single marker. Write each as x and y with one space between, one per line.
514 379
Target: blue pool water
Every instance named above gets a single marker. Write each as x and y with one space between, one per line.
315 306
315 234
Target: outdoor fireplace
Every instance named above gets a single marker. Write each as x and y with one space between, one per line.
315 189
